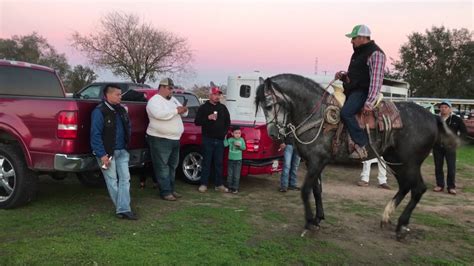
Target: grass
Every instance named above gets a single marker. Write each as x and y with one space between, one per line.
69 224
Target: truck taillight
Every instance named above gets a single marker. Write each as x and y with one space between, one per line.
67 125
252 145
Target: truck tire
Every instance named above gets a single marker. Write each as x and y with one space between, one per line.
189 168
92 179
18 184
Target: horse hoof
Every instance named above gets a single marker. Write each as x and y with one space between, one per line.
311 227
385 224
402 233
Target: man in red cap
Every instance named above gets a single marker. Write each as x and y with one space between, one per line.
214 119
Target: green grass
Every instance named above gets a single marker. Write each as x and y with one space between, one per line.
66 225
465 155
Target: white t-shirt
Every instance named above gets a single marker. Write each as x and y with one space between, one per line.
165 122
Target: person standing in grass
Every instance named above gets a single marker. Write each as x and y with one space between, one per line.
214 119
110 134
291 162
163 134
236 145
440 153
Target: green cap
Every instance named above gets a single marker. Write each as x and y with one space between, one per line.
359 30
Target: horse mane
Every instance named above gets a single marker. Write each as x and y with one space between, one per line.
286 84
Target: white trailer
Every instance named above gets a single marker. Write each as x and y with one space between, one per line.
241 91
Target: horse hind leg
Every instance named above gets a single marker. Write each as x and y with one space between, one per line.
417 192
392 205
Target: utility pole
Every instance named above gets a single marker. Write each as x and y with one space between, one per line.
316 66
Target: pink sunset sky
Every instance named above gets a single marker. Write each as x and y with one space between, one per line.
231 37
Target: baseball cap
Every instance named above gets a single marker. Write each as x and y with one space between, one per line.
167 82
359 30
448 103
215 90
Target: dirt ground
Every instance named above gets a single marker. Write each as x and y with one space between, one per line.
442 225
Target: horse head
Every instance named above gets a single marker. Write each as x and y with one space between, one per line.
274 105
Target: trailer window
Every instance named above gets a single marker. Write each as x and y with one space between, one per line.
245 91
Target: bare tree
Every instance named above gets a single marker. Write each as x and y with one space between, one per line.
134 50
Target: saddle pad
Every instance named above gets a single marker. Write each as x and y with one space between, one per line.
386 108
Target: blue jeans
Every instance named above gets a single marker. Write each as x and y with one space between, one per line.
117 178
213 155
233 173
165 159
354 103
290 167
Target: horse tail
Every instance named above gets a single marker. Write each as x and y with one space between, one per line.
446 137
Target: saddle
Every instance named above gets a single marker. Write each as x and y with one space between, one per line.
384 118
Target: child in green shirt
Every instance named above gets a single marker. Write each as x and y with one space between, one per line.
236 145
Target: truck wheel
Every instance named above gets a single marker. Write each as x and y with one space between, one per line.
18 184
190 165
92 179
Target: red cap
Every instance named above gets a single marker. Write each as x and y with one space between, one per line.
215 90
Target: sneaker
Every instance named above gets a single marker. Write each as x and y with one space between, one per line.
169 197
177 195
202 188
294 188
235 191
222 188
362 183
438 189
384 186
452 191
283 189
127 216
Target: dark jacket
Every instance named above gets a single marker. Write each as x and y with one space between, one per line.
110 129
456 124
213 129
358 71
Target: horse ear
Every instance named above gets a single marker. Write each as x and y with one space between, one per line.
268 83
213 85
261 80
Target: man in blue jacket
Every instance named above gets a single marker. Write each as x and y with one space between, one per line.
110 134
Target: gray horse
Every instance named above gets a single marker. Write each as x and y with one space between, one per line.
293 104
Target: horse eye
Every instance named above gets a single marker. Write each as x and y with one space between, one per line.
268 107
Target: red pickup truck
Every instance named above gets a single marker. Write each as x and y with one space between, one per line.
43 131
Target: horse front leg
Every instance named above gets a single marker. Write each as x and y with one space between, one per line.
317 192
305 192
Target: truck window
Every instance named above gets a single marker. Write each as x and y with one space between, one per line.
245 91
193 103
29 82
91 92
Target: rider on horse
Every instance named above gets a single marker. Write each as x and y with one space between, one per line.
362 83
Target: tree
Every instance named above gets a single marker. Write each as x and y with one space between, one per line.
34 49
134 50
78 78
438 63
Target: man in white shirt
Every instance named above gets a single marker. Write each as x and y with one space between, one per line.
163 134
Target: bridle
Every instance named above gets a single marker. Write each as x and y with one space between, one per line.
285 128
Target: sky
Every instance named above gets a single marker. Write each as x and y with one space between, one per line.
230 37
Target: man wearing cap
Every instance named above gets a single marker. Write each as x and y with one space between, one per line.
163 134
457 126
214 119
362 82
